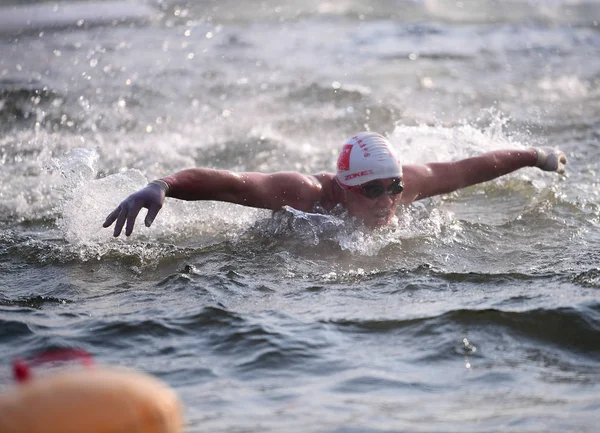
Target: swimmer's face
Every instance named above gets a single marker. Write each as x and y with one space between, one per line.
375 202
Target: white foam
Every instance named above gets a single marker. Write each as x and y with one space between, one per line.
89 200
438 143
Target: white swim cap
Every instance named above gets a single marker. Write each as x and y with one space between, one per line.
365 157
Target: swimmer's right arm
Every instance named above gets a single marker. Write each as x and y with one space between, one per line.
260 190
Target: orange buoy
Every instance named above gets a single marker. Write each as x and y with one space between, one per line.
90 400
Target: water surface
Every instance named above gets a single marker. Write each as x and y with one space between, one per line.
473 312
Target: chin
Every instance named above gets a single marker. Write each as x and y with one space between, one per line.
378 222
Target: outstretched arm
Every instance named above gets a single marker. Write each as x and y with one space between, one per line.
267 191
427 180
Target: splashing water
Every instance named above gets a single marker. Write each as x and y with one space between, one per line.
89 199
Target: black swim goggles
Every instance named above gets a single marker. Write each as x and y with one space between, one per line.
375 189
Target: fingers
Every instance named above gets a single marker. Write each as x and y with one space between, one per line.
120 221
550 159
562 160
119 214
111 217
152 212
125 215
131 216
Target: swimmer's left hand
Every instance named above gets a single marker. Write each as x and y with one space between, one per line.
550 159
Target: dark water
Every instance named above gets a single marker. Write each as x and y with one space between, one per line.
474 312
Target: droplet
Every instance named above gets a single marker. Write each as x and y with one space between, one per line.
427 82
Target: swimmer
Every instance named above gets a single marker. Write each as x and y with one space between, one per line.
370 183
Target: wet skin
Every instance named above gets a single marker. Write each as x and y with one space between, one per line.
375 212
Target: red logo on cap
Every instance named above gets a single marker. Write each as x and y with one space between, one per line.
343 163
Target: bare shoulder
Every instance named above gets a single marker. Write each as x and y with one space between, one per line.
286 179
329 193
417 182
324 179
415 172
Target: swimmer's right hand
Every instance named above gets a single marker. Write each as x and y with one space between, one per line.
151 197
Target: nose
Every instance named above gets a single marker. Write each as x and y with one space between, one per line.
385 200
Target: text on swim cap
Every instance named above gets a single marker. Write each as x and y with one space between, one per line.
358 174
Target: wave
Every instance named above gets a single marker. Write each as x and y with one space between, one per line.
250 341
573 329
9 329
36 302
248 344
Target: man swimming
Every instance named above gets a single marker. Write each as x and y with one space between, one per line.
370 183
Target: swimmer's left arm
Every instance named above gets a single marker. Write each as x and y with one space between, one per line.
427 180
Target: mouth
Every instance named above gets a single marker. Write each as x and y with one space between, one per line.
381 217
